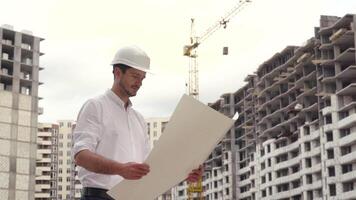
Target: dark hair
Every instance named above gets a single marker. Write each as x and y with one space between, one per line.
122 67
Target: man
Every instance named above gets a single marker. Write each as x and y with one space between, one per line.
110 138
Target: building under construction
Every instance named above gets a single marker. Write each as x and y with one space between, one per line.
296 135
19 83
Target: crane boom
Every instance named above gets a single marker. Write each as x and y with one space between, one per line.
223 22
196 41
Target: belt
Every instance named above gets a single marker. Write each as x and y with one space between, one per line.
96 192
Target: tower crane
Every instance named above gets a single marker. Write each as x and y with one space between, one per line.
190 51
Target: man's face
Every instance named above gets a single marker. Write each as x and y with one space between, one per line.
131 81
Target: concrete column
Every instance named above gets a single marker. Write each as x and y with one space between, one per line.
354 29
34 113
14 123
17 65
0 45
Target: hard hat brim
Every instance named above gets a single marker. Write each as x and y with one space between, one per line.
130 64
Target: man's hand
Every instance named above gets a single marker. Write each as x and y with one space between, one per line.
133 171
195 174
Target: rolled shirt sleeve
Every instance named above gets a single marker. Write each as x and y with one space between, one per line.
87 132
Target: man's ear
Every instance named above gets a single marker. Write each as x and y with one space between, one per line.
117 72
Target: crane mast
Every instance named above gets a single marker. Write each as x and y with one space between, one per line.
193 82
191 51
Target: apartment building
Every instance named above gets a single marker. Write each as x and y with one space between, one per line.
69 186
219 169
47 162
156 127
56 174
19 81
336 70
76 186
296 135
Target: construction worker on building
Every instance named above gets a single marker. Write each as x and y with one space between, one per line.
110 138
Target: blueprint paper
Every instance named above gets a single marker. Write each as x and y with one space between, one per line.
190 136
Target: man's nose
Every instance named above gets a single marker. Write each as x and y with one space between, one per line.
139 82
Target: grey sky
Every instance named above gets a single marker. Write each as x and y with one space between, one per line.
81 38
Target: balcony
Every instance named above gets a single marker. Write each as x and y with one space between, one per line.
244 195
44 142
344 37
330 144
331 162
42 195
285 149
44 160
315 168
276 70
326 46
348 195
44 151
311 108
287 179
348 56
287 194
288 163
347 121
348 106
350 176
325 63
44 134
45 178
313 152
348 73
327 110
313 135
329 127
243 183
348 140
243 170
315 185
43 169
349 90
348 158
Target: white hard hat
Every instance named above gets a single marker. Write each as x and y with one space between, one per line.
134 57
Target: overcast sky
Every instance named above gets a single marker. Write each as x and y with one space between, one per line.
81 38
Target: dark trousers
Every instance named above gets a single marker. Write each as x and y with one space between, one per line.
89 193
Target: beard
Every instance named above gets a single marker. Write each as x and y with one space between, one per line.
126 89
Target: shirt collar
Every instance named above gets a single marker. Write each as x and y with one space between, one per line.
117 99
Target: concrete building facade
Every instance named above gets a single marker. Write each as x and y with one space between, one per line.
156 127
19 81
296 135
56 172
76 186
68 185
47 162
295 138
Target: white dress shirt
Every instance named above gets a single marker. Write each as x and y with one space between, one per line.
106 128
